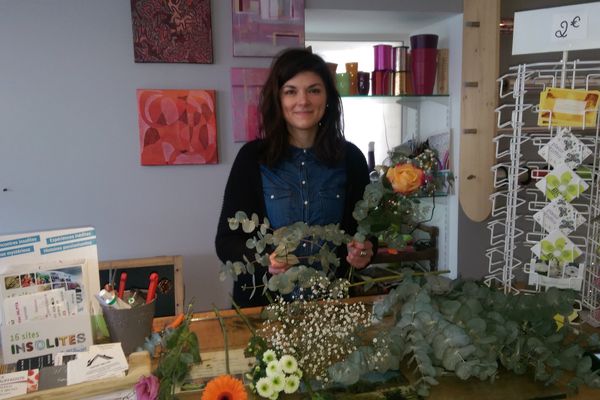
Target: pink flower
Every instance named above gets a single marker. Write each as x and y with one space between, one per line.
147 388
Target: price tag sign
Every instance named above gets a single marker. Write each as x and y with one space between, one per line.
571 26
557 29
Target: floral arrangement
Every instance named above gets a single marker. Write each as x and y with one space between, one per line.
391 203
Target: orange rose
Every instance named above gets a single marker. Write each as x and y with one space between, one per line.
405 178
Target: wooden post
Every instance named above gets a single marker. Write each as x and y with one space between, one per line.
480 65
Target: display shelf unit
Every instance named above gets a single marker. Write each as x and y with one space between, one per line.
513 230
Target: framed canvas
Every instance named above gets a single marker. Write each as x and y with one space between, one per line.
246 84
172 31
177 126
262 28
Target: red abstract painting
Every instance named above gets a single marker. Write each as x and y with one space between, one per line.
172 31
177 127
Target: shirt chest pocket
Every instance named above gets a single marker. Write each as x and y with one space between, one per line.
332 205
278 203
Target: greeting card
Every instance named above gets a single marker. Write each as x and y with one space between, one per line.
556 248
568 107
562 181
559 215
565 148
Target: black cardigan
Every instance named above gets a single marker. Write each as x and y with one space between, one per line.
244 193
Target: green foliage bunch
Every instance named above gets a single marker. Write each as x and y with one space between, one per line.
284 241
471 329
179 349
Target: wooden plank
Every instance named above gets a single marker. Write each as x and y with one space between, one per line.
213 364
478 119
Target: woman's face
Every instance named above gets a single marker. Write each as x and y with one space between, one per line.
303 100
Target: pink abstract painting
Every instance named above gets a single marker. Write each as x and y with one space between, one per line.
262 28
172 31
177 127
246 84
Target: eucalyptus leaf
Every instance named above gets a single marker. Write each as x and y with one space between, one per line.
450 307
233 223
248 225
241 215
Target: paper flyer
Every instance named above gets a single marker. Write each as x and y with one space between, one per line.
18 383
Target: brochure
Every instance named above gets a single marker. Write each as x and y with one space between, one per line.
47 282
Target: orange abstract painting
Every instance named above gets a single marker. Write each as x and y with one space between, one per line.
177 127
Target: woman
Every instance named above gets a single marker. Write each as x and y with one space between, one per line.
301 170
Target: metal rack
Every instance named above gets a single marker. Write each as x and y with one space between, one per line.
513 230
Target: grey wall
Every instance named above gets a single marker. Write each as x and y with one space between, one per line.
69 151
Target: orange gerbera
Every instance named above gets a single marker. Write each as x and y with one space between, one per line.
225 387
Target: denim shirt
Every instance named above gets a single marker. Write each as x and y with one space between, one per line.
301 188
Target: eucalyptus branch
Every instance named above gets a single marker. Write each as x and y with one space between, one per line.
397 277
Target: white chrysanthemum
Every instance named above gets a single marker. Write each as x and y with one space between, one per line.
273 368
298 373
269 356
277 382
288 364
292 383
264 387
274 396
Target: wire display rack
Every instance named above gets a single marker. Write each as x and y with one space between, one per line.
514 231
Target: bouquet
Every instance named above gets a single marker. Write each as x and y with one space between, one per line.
390 206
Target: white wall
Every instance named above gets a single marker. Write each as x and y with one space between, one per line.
69 151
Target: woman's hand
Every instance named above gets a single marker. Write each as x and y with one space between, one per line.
359 253
276 267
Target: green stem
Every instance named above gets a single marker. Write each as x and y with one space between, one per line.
309 387
243 317
396 277
222 323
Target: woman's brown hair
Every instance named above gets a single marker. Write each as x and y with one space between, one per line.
328 145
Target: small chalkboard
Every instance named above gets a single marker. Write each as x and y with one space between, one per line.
169 294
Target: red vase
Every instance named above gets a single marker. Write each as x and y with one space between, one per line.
423 68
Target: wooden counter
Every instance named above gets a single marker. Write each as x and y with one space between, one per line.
507 386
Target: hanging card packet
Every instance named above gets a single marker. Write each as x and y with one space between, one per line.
562 181
564 148
568 107
559 215
556 246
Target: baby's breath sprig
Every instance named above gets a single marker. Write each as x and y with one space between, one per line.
318 333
